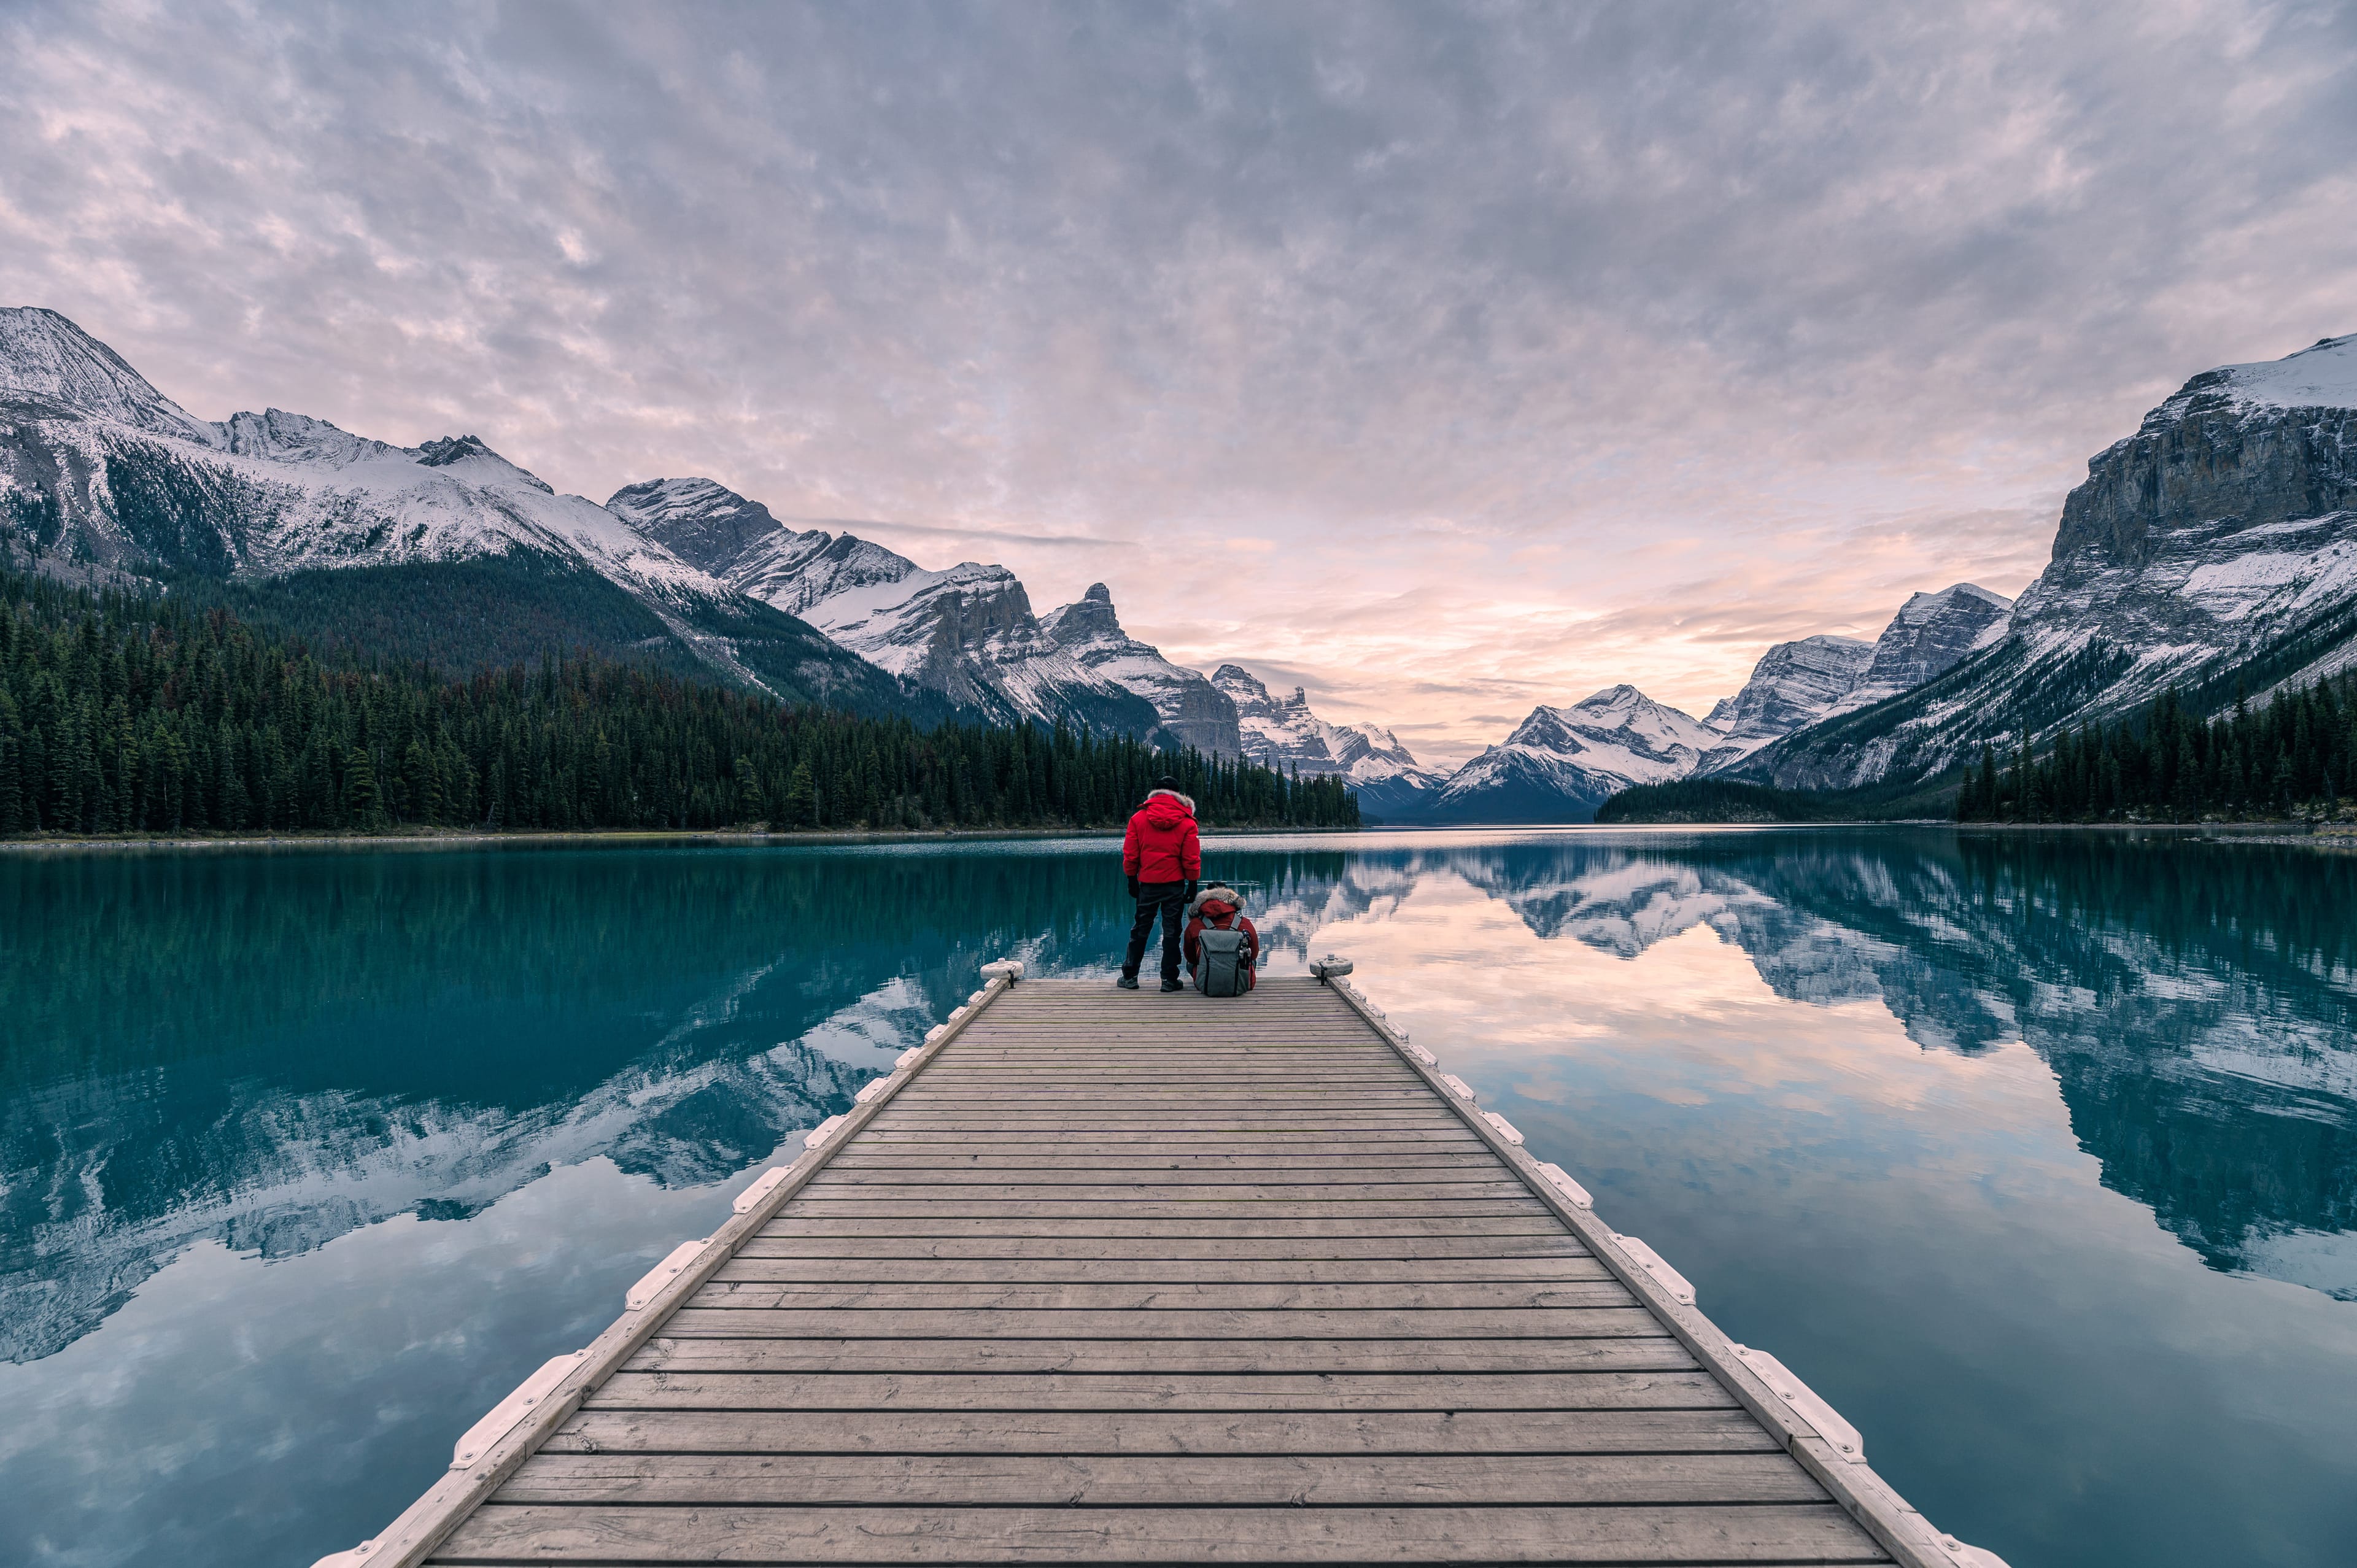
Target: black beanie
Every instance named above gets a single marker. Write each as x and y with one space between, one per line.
1166 782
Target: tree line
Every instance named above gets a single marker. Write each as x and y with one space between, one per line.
2298 753
124 712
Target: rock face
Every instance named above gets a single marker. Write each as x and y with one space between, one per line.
1795 684
2214 548
99 469
1931 634
966 632
1284 735
1560 764
1193 710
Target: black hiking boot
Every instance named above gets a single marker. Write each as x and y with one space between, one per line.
1174 985
1127 982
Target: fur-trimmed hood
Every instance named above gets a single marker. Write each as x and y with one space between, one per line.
1186 801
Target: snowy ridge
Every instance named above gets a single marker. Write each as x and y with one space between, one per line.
966 631
46 357
1560 764
2214 548
98 468
1931 634
1286 734
1192 709
2322 375
1795 684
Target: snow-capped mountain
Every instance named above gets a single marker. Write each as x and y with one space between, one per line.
1192 709
1800 684
1931 634
1560 764
99 469
1795 684
2216 548
1284 735
966 632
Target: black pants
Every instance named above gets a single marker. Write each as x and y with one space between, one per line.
1169 898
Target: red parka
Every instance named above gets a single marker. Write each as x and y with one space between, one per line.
1161 846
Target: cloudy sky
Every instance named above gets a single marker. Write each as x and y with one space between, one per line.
1443 359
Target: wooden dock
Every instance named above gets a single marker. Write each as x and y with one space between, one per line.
1115 1277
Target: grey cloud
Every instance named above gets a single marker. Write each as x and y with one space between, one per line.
1822 290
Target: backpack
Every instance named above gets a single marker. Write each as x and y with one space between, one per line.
1224 971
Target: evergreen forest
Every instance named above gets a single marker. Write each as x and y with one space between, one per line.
2298 754
123 712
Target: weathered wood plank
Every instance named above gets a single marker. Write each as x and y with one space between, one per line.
1443 1250
964 1187
1163 1481
1249 1212
1163 1390
1132 1278
1161 1432
858 1161
1746 1533
737 1295
1497 1324
830 1273
1655 1352
1249 1227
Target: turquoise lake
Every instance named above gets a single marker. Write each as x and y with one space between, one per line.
2035 1154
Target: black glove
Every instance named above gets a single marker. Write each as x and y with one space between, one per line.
1133 886
1190 892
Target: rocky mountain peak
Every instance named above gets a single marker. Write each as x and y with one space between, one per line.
469 451
700 520
1087 619
1930 635
45 355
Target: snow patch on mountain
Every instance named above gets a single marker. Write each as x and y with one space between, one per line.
1560 764
2322 375
1193 710
1931 634
966 631
2216 548
1795 684
1284 733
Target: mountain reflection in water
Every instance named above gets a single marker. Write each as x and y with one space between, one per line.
305 1157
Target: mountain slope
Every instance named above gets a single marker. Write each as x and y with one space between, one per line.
1795 684
1931 634
98 467
1284 735
966 632
1192 709
2216 548
1560 764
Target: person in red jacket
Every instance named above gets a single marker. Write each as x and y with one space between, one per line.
1162 857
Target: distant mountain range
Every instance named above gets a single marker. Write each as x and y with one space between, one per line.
2216 550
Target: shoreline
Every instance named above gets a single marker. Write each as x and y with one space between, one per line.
2296 834
426 839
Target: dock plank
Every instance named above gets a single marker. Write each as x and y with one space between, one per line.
1757 1534
1126 1278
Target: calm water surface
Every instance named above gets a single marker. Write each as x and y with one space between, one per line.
2037 1156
